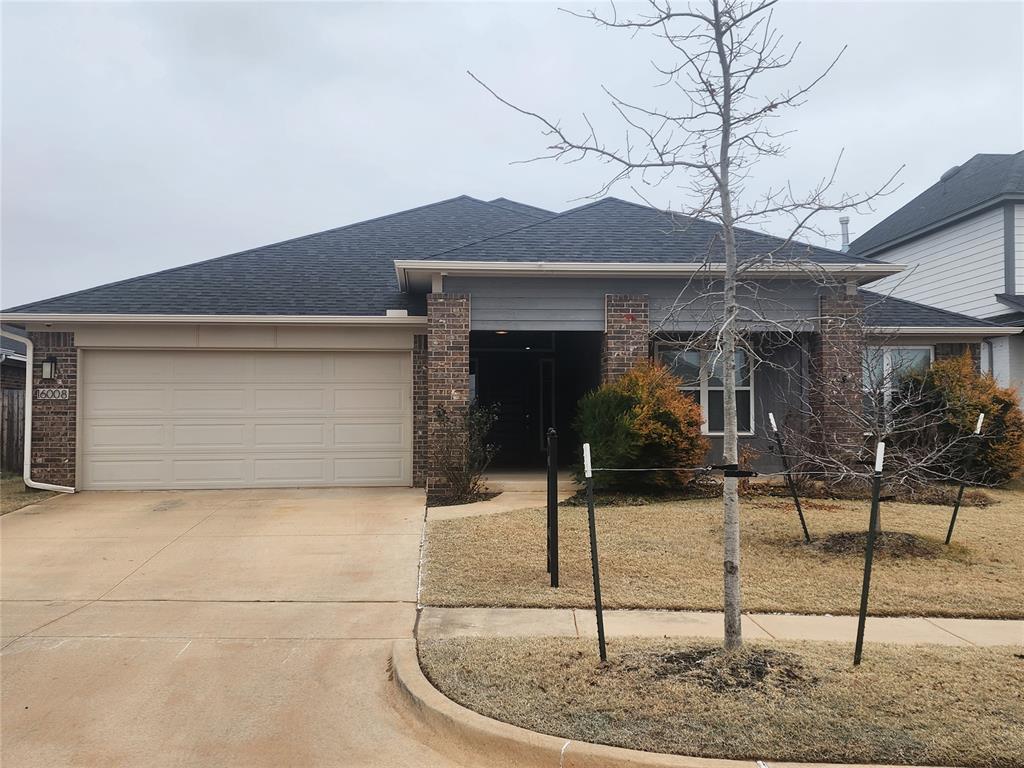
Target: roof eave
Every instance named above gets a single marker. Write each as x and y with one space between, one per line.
895 242
84 317
944 330
405 267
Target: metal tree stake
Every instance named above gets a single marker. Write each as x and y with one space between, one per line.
588 473
789 477
869 552
960 493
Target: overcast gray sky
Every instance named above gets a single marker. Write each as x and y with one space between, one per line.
140 136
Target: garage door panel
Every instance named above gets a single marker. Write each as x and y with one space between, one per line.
229 471
371 435
114 472
387 399
222 419
371 470
286 434
208 435
105 400
207 400
282 400
120 436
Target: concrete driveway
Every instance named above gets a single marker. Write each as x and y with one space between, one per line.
208 628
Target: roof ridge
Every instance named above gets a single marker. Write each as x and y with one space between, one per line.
951 313
517 229
503 199
299 238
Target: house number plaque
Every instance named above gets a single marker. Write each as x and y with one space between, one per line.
51 393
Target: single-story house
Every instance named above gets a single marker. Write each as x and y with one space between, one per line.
323 360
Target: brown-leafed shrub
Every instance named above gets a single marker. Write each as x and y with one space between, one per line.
956 388
642 420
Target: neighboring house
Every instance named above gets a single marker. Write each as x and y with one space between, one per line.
962 242
324 360
12 362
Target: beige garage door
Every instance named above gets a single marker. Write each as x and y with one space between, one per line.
237 419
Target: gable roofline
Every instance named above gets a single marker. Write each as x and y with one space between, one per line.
27 307
949 221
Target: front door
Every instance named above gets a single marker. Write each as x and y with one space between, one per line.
519 385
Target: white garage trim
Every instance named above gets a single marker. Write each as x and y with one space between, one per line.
244 418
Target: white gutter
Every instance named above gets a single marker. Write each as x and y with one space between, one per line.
27 469
931 330
42 317
628 269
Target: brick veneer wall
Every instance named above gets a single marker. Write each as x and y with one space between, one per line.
946 350
447 372
419 410
627 326
836 373
53 421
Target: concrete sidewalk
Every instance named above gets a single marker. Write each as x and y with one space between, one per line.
570 622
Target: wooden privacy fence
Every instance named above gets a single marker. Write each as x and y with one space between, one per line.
12 430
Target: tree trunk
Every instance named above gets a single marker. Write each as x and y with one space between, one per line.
730 442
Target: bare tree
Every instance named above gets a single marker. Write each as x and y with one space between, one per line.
717 126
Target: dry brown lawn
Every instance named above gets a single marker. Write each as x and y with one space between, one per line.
14 495
924 705
669 555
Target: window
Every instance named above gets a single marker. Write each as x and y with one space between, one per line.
701 373
883 369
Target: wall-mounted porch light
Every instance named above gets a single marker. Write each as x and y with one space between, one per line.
49 368
502 333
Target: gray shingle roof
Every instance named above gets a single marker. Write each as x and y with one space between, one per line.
981 179
344 271
882 311
512 205
615 231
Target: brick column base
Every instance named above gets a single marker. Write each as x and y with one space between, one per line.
54 442
627 327
419 411
447 375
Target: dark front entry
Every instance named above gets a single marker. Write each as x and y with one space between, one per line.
533 380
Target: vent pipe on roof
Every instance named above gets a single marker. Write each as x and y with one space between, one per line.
844 225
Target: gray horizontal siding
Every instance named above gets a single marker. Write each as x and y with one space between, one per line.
577 304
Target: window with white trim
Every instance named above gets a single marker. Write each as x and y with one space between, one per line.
702 379
884 368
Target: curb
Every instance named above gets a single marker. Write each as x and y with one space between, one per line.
509 745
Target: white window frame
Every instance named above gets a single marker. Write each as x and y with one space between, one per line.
704 388
887 350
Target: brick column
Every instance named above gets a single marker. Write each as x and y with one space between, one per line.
836 373
419 410
54 442
627 326
447 371
947 350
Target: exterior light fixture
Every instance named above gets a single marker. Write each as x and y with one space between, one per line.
527 348
502 333
49 368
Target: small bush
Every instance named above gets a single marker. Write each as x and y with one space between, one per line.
463 453
641 420
956 386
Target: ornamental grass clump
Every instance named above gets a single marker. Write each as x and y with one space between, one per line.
642 420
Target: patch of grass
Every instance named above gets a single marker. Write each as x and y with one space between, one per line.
669 555
14 495
922 705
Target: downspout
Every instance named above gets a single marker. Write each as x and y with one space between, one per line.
27 469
